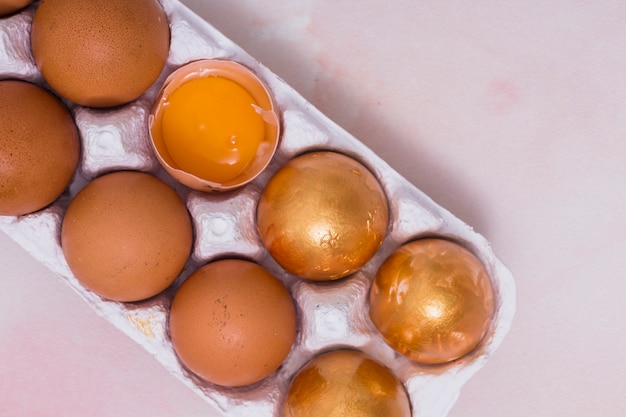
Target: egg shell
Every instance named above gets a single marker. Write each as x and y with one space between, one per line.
244 77
100 53
232 322
39 147
331 315
11 6
126 236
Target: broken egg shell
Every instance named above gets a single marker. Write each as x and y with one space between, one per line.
247 79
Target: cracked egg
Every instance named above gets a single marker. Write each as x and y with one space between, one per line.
214 125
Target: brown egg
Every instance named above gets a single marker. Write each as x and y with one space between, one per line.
322 216
12 6
232 322
126 236
100 53
432 301
39 147
345 383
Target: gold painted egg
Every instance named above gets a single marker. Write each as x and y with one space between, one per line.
322 216
432 301
346 383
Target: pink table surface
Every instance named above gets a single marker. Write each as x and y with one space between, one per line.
510 114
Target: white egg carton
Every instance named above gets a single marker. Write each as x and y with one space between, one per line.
331 315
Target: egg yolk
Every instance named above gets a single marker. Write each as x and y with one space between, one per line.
212 128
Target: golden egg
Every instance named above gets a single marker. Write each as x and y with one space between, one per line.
346 383
432 301
322 216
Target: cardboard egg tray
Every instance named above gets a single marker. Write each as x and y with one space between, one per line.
330 315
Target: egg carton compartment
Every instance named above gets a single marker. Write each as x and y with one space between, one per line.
330 315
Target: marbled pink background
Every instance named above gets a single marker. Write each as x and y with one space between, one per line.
510 114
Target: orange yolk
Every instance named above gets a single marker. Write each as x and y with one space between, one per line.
212 128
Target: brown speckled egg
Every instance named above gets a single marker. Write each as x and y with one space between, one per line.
322 216
232 322
100 53
126 236
11 6
346 383
39 147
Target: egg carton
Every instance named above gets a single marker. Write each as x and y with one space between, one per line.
330 316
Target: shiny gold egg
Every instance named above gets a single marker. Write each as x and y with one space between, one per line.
346 383
322 216
432 301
